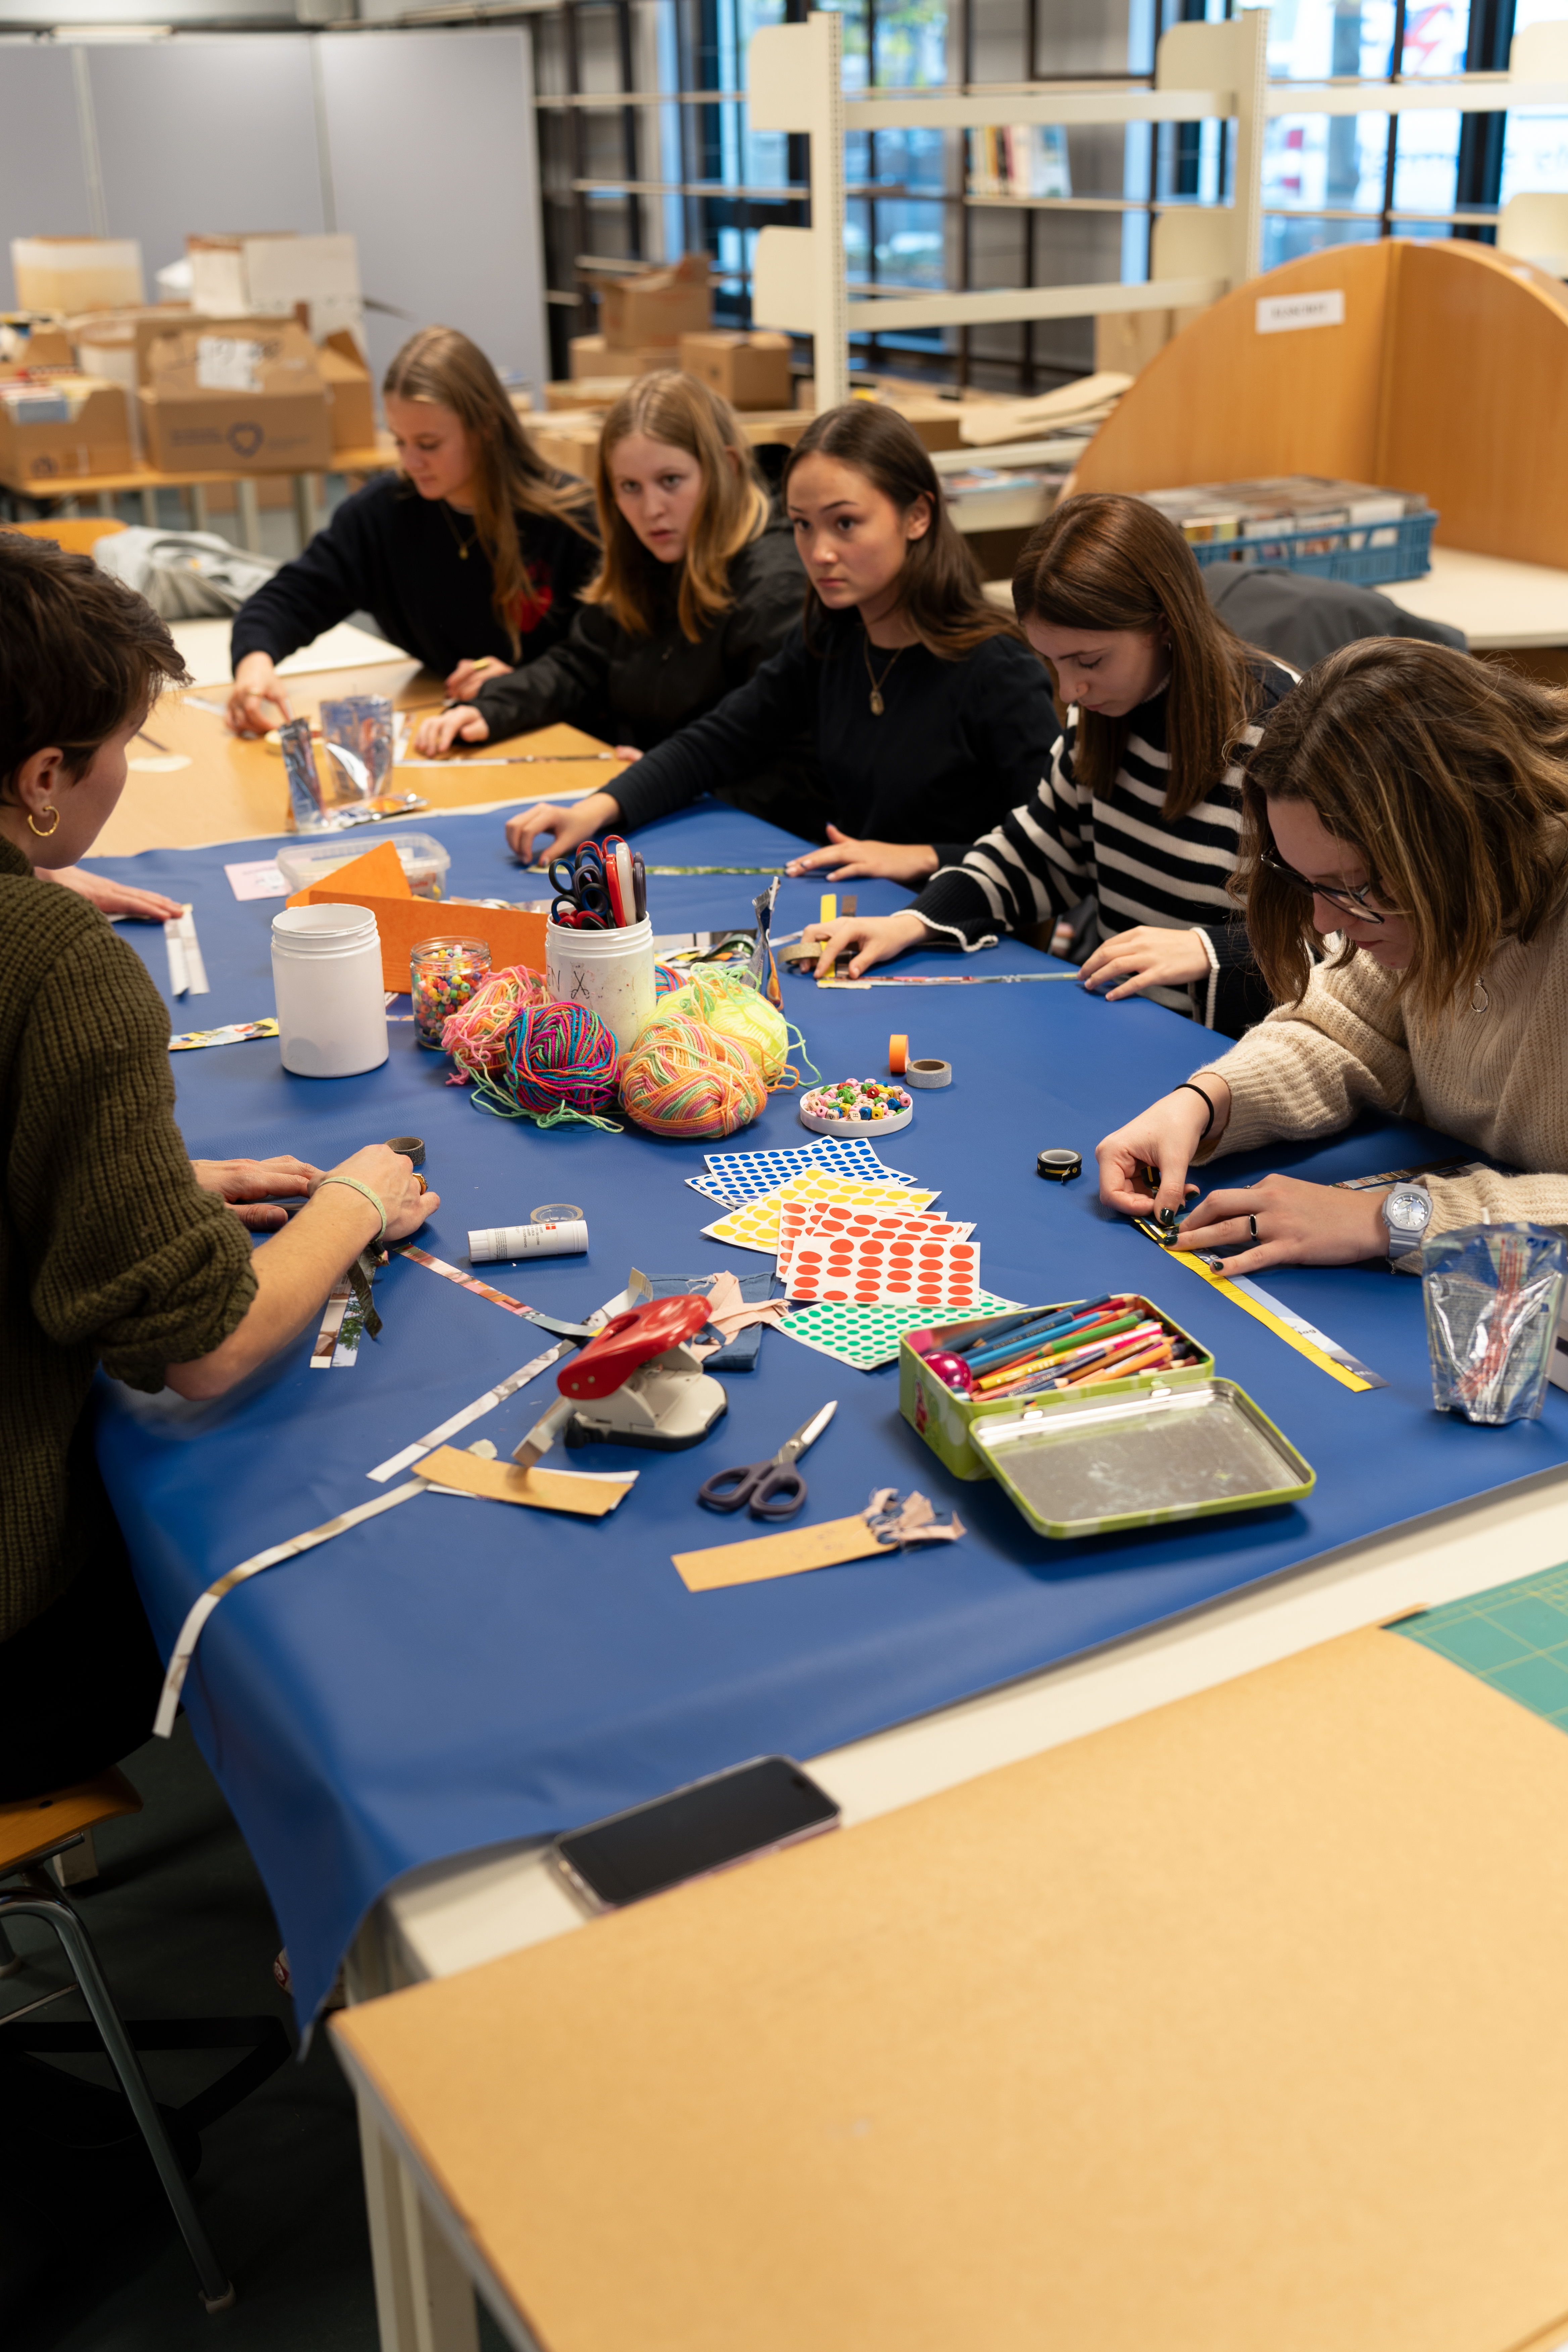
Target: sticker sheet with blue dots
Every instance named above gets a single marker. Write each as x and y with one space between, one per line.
738 1176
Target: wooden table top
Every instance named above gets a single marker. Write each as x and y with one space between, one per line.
228 787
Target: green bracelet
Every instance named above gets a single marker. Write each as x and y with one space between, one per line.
373 1198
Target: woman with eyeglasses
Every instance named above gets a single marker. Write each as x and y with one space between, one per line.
1407 810
1138 805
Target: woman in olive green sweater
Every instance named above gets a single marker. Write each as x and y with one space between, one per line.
115 1248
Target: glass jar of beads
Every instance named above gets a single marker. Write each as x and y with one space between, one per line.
443 975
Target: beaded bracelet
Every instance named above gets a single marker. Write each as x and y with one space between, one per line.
373 1198
1188 1087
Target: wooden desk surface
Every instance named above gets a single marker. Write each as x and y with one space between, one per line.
1238 2026
230 788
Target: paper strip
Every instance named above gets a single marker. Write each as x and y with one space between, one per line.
789 1554
542 1490
464 1281
950 979
1283 1320
237 1032
325 1349
186 970
184 1648
490 1399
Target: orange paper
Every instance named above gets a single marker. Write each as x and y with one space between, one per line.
377 881
503 1482
790 1553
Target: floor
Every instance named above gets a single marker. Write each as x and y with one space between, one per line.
183 1928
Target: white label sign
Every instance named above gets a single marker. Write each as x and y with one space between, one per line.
228 364
1281 314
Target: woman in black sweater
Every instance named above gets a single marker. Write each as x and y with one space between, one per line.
700 584
471 557
928 714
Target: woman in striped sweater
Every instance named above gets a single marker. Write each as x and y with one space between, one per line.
1140 807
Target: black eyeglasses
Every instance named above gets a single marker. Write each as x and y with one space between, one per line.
1348 902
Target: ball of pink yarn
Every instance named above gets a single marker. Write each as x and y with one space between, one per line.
476 1034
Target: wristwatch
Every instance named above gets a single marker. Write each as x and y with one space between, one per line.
1408 1212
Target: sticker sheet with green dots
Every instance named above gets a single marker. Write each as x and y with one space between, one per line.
1514 1637
865 1338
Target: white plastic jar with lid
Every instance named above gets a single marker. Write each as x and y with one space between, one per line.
332 998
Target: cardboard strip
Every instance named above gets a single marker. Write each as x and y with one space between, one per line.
791 1553
592 1497
1283 1321
201 1608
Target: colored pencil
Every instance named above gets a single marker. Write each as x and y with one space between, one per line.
1049 1373
1063 1342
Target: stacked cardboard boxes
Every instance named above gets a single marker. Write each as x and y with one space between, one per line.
235 394
58 428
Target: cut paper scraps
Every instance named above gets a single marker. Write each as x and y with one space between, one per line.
866 1337
756 1225
587 1496
888 1523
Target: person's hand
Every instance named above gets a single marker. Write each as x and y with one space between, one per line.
567 826
883 861
628 753
391 1179
114 899
257 700
1165 1136
437 736
876 938
468 677
1296 1224
1147 956
254 1188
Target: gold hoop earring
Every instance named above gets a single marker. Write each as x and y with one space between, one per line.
44 831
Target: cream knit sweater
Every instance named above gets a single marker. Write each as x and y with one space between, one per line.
1496 1078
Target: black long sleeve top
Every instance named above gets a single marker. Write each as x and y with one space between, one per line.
389 552
1063 843
959 741
642 690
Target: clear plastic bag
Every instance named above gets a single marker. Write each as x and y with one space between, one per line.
356 744
1493 1296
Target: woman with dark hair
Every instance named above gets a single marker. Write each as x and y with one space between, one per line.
927 714
1139 806
698 584
1410 804
472 556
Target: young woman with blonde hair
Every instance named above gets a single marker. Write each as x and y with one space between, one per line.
925 712
1406 811
472 556
698 584
1137 805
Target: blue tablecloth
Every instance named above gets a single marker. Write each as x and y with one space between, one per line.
457 1672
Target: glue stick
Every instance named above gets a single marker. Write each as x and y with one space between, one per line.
528 1241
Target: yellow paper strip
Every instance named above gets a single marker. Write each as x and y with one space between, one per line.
1252 1307
503 1482
790 1553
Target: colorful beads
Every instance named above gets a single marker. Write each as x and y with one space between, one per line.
865 1101
442 975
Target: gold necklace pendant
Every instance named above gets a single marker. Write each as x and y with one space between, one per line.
878 705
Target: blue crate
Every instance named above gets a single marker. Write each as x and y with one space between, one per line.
1351 557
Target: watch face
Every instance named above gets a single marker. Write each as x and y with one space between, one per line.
1408 1212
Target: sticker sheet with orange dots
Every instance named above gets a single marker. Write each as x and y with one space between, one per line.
906 1265
832 1220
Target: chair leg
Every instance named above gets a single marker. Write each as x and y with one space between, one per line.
10 1958
42 1902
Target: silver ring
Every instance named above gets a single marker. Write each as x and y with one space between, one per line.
554 1213
1252 1224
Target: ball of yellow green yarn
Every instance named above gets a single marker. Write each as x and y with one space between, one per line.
683 1079
739 1011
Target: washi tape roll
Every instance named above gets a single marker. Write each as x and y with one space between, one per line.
556 1213
898 1055
928 1074
528 1241
1060 1166
411 1146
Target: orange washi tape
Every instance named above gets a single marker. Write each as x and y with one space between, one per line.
898 1055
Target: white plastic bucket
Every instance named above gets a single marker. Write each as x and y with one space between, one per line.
332 999
609 971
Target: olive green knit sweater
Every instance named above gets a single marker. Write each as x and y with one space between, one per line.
109 1252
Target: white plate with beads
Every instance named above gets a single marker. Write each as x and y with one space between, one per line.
868 1107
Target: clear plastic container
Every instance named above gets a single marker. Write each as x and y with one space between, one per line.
422 859
443 975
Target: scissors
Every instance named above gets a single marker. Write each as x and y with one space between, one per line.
582 899
773 1489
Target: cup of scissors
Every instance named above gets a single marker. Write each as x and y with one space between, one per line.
601 888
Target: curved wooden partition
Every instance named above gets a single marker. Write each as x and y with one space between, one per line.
1447 375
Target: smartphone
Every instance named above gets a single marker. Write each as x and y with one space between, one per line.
751 1809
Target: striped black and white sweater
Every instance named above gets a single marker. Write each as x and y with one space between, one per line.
1063 845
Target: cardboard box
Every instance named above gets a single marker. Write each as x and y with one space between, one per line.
274 273
569 443
348 383
594 359
748 371
657 306
237 401
76 273
69 426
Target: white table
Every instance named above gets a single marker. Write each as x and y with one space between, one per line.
1495 603
458 1913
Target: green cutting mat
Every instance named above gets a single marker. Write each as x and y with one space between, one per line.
1514 1637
